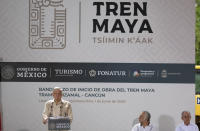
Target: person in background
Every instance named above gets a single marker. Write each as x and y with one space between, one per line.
186 125
144 123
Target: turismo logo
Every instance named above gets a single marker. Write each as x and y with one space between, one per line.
68 72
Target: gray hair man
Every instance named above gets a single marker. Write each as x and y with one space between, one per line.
144 123
57 107
186 125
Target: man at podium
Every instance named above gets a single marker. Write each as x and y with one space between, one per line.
57 108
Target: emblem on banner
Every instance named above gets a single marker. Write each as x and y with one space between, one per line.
136 74
92 73
7 72
47 24
164 73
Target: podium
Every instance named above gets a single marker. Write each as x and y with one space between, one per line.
58 123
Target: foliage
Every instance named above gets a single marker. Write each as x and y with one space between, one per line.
197 43
197 82
197 32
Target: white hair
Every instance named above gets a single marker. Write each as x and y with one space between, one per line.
185 112
147 115
57 88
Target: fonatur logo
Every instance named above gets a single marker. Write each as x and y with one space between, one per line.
47 24
92 73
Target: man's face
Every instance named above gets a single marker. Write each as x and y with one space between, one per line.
142 117
186 118
57 95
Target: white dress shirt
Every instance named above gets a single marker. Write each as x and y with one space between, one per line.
63 108
190 127
138 127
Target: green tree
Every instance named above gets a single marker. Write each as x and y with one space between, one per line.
197 31
197 44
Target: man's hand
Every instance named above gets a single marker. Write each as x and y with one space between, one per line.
45 120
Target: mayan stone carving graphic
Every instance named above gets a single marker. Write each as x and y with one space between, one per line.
47 24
